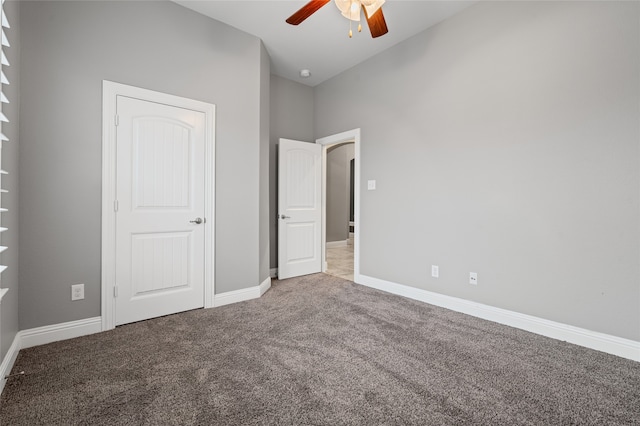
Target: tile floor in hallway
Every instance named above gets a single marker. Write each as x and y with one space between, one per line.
340 260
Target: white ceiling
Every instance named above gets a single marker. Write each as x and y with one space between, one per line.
321 43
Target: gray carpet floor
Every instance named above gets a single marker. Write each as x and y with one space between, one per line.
319 350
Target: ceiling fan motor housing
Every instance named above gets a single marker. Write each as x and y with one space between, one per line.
350 9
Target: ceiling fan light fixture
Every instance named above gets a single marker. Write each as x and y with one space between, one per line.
350 9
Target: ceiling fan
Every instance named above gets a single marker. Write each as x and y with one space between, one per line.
351 10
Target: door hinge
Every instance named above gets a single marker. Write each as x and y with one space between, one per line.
115 206
117 119
115 291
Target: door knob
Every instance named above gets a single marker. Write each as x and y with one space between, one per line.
197 221
285 217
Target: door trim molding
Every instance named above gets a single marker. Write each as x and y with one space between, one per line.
326 142
110 90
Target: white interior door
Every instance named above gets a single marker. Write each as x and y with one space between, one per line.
160 219
299 208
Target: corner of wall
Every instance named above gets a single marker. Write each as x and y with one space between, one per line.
264 216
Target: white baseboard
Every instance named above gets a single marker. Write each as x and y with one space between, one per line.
242 295
9 360
334 244
266 285
47 334
614 345
274 272
53 333
69 330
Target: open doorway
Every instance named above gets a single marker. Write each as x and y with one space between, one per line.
340 170
341 240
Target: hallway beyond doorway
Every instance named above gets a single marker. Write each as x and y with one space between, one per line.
340 260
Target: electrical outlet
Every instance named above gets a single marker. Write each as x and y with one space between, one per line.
77 292
435 271
473 278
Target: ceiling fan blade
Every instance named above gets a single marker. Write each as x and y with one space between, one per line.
306 11
377 24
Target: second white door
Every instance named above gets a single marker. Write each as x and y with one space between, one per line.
160 223
299 208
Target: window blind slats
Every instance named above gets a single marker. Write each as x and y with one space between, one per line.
5 21
4 42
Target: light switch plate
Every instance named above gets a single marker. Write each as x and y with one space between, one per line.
371 185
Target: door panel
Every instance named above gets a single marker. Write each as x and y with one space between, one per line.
301 185
160 192
299 207
300 241
159 262
161 163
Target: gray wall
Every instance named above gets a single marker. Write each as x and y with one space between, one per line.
505 141
338 178
265 219
291 117
9 308
68 48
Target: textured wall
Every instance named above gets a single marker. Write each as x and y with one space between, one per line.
505 141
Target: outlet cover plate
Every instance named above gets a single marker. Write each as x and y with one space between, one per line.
77 292
473 278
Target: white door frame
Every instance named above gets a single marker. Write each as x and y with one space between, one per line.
326 142
110 91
